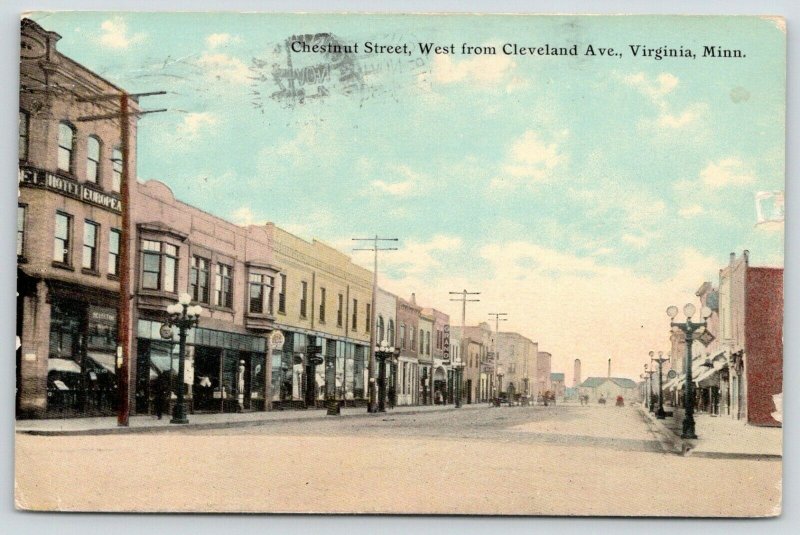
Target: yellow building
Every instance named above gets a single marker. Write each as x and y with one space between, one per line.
323 299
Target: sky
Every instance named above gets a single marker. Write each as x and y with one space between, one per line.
580 195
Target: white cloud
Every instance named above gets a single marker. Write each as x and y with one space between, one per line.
479 70
726 172
689 212
220 39
408 185
691 115
114 34
245 216
530 159
224 68
193 123
655 89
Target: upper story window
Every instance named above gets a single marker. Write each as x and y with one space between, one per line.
340 311
421 342
63 234
116 170
428 343
24 125
322 297
260 288
90 232
355 315
369 317
403 335
198 279
159 266
380 332
223 284
303 299
390 333
413 338
113 251
66 146
92 159
282 295
21 229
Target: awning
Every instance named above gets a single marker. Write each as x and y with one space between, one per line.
63 365
107 361
706 372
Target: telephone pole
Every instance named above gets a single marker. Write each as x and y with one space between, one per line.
498 317
124 317
460 366
373 401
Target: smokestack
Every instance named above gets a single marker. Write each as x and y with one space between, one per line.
576 373
609 368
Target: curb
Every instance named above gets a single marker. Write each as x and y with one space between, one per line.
672 443
221 425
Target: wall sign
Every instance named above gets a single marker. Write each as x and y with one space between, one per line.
69 188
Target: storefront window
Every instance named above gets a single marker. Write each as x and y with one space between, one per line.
358 372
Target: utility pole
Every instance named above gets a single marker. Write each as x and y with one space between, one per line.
124 316
498 317
373 401
460 368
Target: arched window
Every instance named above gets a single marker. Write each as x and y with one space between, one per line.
391 332
23 135
380 330
66 146
403 335
116 170
92 159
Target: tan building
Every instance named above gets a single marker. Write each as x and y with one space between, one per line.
442 374
425 357
324 299
68 232
408 376
517 355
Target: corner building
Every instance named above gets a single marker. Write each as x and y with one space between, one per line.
68 232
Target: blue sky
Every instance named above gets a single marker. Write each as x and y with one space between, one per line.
581 195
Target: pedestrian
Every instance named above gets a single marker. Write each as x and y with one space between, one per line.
160 398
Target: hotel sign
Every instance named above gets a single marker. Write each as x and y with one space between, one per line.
69 188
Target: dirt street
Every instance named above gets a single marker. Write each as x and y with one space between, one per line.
509 460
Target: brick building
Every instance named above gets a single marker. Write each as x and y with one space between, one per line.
408 374
68 232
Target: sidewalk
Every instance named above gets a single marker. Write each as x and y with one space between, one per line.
145 424
717 436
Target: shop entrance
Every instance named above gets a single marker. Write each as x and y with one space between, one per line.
207 391
439 387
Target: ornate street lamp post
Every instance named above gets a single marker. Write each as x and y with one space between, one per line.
383 352
500 373
689 328
458 370
650 403
660 414
184 317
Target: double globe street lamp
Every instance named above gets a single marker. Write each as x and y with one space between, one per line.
184 317
660 414
689 329
383 352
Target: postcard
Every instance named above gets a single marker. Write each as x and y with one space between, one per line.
409 264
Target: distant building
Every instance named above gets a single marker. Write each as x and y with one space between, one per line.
517 355
608 388
557 385
543 364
